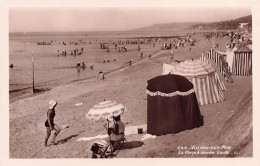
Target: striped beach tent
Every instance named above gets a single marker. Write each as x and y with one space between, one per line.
226 75
204 77
216 58
242 62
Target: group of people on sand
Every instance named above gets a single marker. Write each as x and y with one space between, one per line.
236 38
178 42
122 48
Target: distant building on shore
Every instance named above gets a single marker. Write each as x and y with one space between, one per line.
243 25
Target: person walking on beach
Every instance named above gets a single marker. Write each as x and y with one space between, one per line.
49 123
141 53
130 62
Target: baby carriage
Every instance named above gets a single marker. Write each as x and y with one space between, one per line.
101 149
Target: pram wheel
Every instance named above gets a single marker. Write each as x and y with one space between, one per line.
94 156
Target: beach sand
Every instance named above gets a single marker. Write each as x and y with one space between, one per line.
126 86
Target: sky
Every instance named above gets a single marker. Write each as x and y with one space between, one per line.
113 18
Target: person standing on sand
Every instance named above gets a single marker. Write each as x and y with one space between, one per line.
49 123
172 56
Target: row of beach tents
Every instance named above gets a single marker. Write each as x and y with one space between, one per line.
173 98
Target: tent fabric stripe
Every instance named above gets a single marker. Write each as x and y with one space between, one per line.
213 64
220 83
242 63
103 110
194 68
207 88
215 57
207 91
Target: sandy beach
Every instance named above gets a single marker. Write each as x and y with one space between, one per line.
126 85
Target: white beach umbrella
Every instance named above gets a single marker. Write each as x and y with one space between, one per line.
106 110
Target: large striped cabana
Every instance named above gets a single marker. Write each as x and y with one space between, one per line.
207 84
242 62
239 61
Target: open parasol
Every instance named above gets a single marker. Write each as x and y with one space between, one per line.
106 110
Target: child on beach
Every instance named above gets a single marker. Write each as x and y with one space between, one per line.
49 123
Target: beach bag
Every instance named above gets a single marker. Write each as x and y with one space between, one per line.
98 147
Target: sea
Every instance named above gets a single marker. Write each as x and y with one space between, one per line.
44 66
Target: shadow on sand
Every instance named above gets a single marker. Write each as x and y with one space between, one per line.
132 144
62 141
127 145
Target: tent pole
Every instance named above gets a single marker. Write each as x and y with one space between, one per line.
33 73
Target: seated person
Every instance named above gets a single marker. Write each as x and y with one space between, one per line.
91 66
117 132
101 75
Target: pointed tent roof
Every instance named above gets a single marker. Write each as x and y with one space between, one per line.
193 68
